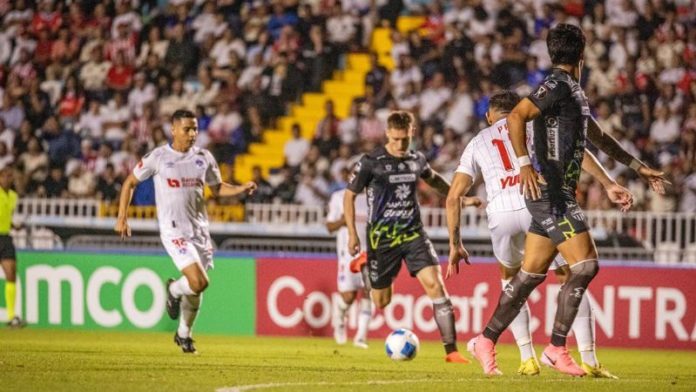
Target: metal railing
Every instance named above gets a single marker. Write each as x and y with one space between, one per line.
662 237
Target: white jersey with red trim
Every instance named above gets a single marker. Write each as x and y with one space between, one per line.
491 154
335 213
179 181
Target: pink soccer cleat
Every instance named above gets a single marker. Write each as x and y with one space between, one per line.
558 358
483 349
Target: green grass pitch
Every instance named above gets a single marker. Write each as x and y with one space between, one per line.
51 360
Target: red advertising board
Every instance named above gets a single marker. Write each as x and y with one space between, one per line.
647 307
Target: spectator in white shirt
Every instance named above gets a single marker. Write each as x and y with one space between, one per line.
665 128
406 72
296 148
434 98
142 94
460 115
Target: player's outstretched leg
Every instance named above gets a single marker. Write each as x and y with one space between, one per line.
339 317
513 297
443 312
529 365
584 330
556 354
360 339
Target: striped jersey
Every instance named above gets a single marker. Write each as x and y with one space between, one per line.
490 153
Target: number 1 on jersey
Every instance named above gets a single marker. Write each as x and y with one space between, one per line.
504 156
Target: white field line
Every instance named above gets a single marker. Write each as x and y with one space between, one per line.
242 388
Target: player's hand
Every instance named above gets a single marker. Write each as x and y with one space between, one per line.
621 196
474 201
529 185
250 187
353 245
457 252
122 228
656 179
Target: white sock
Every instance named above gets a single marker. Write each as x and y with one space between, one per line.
364 319
584 331
520 330
341 309
190 304
180 288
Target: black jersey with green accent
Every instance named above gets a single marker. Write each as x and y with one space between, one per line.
393 213
559 134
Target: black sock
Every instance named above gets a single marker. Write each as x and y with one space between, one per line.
491 334
558 340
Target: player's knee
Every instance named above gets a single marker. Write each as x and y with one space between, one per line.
348 297
381 302
198 285
584 270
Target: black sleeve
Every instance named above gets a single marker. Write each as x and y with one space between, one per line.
362 174
549 94
426 171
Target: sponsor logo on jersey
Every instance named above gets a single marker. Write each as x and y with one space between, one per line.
552 139
169 165
184 182
403 191
400 178
541 92
509 181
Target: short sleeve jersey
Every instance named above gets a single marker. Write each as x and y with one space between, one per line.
393 213
8 202
336 212
490 153
179 181
560 132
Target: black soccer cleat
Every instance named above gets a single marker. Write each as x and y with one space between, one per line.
173 303
16 323
186 344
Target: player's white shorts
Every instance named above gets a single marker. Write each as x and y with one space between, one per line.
185 251
508 232
346 280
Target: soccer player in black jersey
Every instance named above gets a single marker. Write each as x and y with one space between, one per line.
395 231
562 122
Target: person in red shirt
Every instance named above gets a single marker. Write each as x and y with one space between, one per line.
73 100
47 18
120 75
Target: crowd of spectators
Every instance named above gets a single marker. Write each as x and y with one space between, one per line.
86 87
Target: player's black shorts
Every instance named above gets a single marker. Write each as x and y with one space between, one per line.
384 262
558 224
7 249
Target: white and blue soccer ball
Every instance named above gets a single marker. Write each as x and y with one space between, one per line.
402 345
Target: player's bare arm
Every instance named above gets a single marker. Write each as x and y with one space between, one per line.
349 217
460 186
127 189
228 190
524 112
616 193
607 143
335 225
438 182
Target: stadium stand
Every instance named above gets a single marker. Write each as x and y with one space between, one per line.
288 91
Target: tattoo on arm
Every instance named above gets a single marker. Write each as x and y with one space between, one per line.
608 144
437 182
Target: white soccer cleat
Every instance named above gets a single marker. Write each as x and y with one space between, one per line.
340 334
360 343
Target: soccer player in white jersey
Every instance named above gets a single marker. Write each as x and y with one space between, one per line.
489 153
180 171
350 283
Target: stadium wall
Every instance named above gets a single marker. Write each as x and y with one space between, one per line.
636 305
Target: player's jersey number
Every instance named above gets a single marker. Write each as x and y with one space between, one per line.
504 156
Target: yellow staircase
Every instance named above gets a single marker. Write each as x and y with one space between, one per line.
345 86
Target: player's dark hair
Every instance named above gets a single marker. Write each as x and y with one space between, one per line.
503 101
401 120
566 44
181 114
